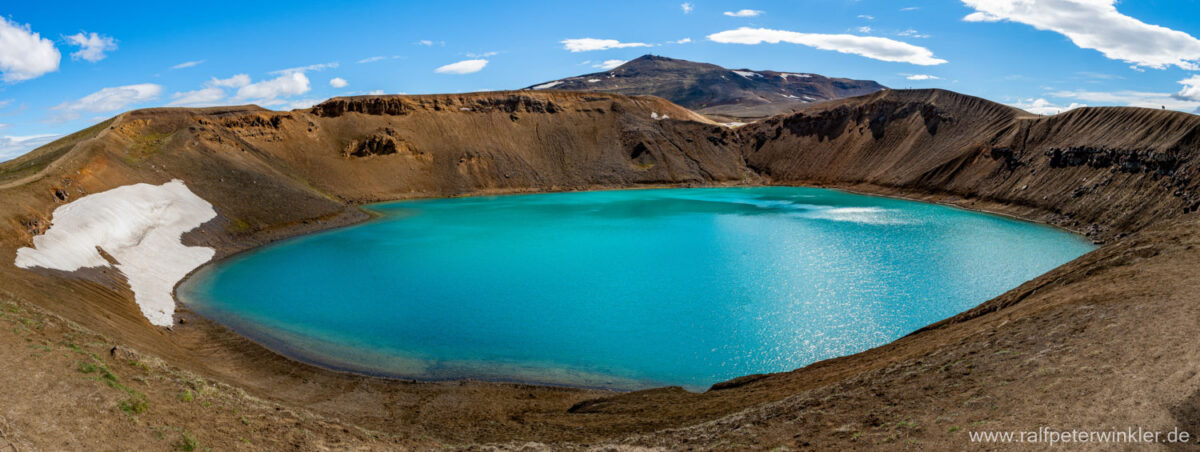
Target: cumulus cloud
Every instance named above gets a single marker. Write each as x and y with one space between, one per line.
12 147
923 77
1044 107
609 64
300 104
269 91
24 54
589 44
878 48
1131 98
686 7
106 100
744 13
237 81
204 97
1191 89
91 46
463 67
1097 25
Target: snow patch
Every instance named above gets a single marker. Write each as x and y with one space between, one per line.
789 74
140 226
747 74
655 115
548 85
593 80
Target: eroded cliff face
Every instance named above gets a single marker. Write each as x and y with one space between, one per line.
270 175
1102 171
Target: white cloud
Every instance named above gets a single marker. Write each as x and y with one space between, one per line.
237 81
1131 98
311 67
609 64
429 43
205 97
91 46
1101 76
211 94
1044 107
910 8
910 33
269 91
681 41
686 7
744 13
1097 25
24 54
878 48
867 17
864 29
482 55
106 100
923 77
376 92
372 59
338 82
1191 89
462 67
187 64
12 147
589 44
300 104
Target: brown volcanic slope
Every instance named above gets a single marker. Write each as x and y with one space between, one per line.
1103 342
740 94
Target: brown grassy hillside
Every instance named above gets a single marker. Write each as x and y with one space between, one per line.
1073 348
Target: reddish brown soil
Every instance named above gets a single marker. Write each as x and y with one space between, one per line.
1104 341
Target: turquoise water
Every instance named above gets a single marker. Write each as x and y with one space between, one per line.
622 289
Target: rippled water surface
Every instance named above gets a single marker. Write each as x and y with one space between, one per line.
623 289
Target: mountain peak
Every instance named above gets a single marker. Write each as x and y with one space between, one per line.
740 94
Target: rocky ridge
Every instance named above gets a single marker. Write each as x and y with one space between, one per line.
1124 176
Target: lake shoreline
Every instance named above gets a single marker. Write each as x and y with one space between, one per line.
272 337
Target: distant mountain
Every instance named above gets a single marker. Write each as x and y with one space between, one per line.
716 91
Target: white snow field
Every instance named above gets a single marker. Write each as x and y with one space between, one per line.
140 226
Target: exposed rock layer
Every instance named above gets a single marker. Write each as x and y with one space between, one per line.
1123 175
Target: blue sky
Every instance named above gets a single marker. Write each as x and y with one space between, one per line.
66 66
